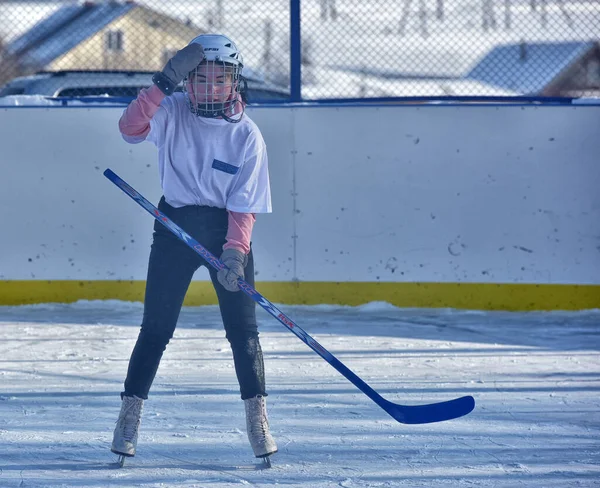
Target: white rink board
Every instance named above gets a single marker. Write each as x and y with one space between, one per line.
449 193
438 193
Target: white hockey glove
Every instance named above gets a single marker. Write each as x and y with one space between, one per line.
235 261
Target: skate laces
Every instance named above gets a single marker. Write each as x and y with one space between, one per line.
130 418
258 415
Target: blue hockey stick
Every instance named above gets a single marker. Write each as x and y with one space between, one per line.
406 414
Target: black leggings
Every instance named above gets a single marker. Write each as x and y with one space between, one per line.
172 265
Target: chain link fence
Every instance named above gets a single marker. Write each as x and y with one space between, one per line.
347 49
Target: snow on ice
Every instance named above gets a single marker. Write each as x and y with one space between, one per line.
535 378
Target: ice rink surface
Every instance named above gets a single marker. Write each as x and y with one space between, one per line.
535 378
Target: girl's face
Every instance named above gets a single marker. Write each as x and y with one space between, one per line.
211 82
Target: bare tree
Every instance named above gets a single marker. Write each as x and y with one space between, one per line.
404 18
565 12
423 18
439 10
267 58
489 15
9 66
507 15
219 16
328 9
544 14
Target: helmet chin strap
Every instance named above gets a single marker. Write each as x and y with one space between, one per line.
234 117
210 110
238 98
225 110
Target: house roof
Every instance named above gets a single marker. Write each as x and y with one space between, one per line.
63 30
527 68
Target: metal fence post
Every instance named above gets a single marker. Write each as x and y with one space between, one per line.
295 52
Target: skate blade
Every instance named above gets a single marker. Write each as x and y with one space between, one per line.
121 458
266 460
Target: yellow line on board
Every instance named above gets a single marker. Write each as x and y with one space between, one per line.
473 296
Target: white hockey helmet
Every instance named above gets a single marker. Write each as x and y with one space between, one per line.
218 47
220 51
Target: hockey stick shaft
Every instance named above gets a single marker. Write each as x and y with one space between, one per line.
405 414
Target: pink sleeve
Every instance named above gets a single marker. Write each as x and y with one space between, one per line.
239 231
135 121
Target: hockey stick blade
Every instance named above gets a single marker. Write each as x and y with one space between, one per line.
433 412
406 414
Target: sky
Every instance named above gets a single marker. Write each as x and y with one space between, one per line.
535 378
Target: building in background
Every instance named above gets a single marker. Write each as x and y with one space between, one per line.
554 69
97 36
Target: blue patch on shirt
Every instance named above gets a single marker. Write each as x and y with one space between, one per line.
226 167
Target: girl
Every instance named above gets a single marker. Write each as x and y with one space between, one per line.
213 170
